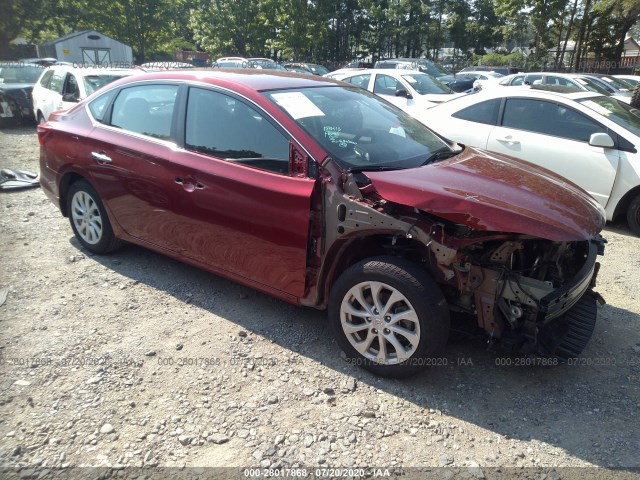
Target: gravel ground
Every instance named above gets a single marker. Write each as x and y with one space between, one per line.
136 360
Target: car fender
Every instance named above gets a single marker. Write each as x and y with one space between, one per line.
627 179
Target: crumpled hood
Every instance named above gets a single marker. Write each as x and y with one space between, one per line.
489 191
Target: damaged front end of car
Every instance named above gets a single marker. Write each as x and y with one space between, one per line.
519 266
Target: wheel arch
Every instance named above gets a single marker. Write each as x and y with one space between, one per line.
66 181
344 254
625 201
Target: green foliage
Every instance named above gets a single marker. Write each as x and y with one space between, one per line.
333 31
515 59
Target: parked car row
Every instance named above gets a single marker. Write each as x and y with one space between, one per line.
412 91
591 82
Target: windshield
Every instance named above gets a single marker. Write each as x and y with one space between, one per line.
318 69
592 86
616 111
94 82
27 74
358 129
617 83
432 68
424 84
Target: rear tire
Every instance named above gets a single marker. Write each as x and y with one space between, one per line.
633 214
389 316
89 219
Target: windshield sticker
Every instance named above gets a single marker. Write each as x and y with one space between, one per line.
410 79
297 105
398 130
596 108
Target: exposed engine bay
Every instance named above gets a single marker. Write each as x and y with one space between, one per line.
526 293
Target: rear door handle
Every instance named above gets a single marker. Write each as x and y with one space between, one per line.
189 184
101 157
508 139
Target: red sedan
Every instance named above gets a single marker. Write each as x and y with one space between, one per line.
322 194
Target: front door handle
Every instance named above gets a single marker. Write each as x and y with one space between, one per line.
101 157
508 139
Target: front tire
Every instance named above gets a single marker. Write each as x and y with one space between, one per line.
633 215
89 219
389 316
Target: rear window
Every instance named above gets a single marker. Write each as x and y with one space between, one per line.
484 112
94 82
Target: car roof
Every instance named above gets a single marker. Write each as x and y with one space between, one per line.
253 79
482 72
83 72
389 71
523 91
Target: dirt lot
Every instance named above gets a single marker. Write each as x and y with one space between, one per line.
134 359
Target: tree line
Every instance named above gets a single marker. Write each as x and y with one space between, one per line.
334 31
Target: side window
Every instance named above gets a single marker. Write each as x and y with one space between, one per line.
98 107
533 80
360 80
386 85
71 86
519 80
573 125
221 126
548 118
146 109
483 112
57 81
46 78
525 114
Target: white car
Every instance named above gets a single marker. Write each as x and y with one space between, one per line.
62 86
577 81
412 91
482 79
231 62
592 140
632 80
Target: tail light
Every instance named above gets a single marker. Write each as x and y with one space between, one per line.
43 132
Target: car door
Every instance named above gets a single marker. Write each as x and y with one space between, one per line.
471 125
386 86
240 209
129 155
70 92
556 137
52 98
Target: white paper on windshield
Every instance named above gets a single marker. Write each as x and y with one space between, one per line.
297 105
596 108
398 130
409 79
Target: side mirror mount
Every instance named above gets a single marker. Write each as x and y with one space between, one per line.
401 92
298 161
70 97
601 140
